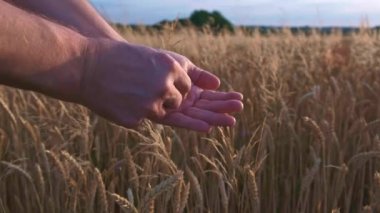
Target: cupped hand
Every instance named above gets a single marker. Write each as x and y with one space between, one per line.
203 109
126 83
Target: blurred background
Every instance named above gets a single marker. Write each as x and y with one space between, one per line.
317 13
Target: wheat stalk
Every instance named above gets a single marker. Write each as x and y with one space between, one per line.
18 169
124 203
40 181
376 196
101 191
164 186
74 163
177 197
132 172
58 164
223 193
196 187
316 129
184 198
254 190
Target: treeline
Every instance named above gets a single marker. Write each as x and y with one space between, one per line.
306 29
215 22
200 19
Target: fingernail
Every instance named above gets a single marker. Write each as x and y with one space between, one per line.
233 122
241 106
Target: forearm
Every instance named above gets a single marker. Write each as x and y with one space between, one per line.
79 14
39 55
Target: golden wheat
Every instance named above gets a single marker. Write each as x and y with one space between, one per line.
307 141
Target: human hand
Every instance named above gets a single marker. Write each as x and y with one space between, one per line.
199 77
126 83
203 107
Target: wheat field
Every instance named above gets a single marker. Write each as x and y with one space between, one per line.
307 141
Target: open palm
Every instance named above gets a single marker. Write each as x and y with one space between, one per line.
203 107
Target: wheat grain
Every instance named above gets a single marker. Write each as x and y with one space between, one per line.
316 129
74 163
124 203
184 197
254 191
331 80
164 186
177 197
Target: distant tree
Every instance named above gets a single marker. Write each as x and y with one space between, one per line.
215 20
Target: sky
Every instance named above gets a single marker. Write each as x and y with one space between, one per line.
247 12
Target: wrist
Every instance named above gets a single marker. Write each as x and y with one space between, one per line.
63 81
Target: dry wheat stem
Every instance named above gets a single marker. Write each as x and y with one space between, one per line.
124 203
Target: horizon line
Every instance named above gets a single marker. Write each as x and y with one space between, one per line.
267 25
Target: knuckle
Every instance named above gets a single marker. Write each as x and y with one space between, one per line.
156 110
165 89
170 64
172 67
187 86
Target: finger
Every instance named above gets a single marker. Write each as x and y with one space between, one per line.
216 95
183 83
203 79
180 120
212 118
227 106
